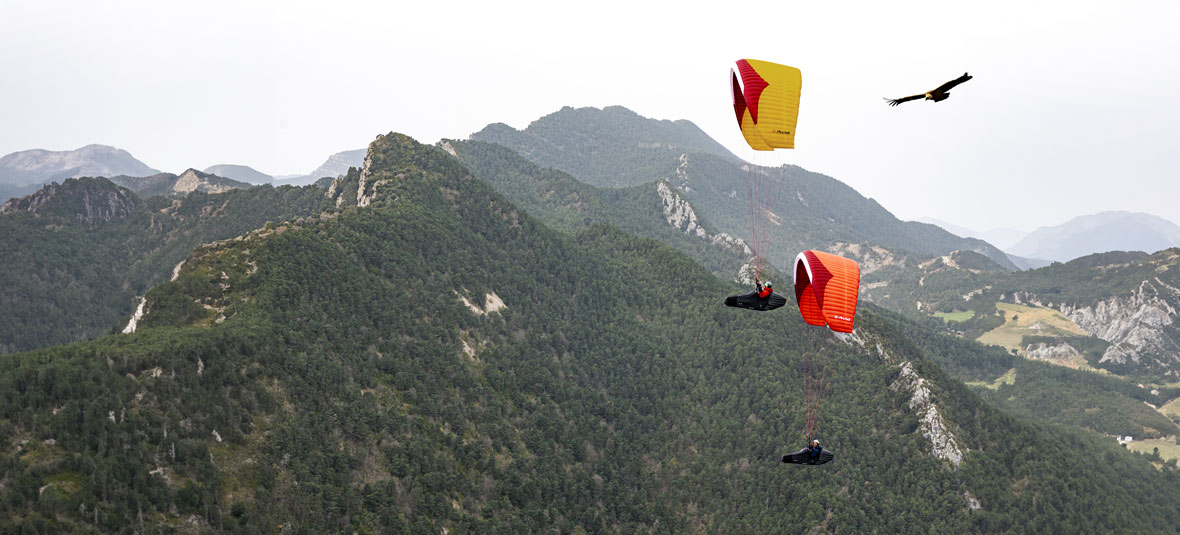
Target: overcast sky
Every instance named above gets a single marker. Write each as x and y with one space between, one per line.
1073 108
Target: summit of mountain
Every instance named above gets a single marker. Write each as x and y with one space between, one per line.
39 166
615 147
241 173
90 200
608 147
1096 233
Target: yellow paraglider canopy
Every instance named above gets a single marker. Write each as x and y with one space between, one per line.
766 102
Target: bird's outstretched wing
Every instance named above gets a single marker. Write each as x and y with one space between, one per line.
896 101
947 86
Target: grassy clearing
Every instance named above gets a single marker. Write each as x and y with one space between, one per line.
956 316
1167 446
1008 378
1020 320
1171 409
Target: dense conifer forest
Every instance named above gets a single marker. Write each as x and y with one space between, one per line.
424 356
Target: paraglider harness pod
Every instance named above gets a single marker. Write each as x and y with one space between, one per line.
809 455
755 301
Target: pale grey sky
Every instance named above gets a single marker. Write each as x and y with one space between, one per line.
1073 108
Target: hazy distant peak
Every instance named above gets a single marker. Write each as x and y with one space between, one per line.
338 164
38 166
1000 237
1096 233
243 173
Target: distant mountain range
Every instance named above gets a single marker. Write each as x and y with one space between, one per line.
243 173
1078 237
336 165
40 166
1000 237
24 172
1097 233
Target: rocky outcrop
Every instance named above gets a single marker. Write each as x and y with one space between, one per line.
178 185
92 201
1054 352
193 180
1135 325
943 443
492 303
363 198
134 321
679 213
870 257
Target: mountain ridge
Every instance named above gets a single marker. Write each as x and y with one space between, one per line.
241 173
826 213
38 166
1098 233
187 182
77 254
426 357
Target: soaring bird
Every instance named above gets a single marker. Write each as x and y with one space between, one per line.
939 94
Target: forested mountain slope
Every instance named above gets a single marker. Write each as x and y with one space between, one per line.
74 256
612 147
654 210
431 359
1128 302
615 147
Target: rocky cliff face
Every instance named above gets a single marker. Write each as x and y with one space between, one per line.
680 215
943 443
931 424
1052 352
92 201
1139 326
193 180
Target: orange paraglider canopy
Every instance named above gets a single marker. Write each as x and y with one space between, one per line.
826 287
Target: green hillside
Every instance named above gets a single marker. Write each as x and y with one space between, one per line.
1127 305
1046 392
74 256
563 203
615 147
356 373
